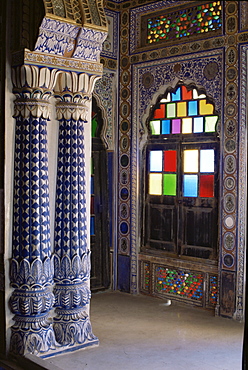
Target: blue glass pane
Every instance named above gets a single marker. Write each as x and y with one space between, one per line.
177 95
198 124
156 157
166 127
192 108
92 185
92 225
190 185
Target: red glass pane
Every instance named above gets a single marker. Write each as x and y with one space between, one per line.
206 186
92 207
186 95
160 112
170 161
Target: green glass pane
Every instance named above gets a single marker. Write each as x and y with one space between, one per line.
94 125
169 184
210 123
155 183
155 127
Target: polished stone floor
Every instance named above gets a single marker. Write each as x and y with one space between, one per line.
142 333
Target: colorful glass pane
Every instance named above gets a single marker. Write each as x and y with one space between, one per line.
92 185
179 282
210 123
167 99
190 185
92 225
198 124
92 201
94 125
156 157
171 110
186 94
184 22
196 96
176 96
206 186
170 161
192 108
155 127
207 160
176 126
181 109
159 112
155 183
190 161
205 108
169 184
187 125
166 127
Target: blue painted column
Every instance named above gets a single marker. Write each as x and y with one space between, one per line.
31 270
71 251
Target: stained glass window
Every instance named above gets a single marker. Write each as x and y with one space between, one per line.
194 20
162 174
183 112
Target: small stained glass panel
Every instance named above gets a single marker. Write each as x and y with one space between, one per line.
170 161
187 125
167 99
205 108
171 110
190 162
177 95
155 183
181 109
196 96
166 130
155 127
92 225
186 94
176 126
207 160
169 184
190 185
156 157
210 123
206 186
193 108
198 124
159 112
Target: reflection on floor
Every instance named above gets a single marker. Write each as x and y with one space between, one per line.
142 333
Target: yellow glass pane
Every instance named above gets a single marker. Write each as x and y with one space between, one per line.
206 108
181 109
155 183
190 160
210 123
196 96
187 125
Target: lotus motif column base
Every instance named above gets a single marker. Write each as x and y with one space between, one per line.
72 328
32 334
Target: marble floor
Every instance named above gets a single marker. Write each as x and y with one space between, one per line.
143 333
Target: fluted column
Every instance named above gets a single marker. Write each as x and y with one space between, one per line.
72 255
31 272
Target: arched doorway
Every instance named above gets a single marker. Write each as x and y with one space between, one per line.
99 225
181 187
